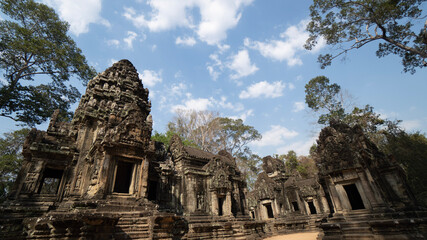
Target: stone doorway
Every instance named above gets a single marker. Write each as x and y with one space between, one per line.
123 177
50 181
269 210
312 208
354 197
152 190
295 205
221 206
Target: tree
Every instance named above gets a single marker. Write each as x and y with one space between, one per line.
327 99
213 133
291 160
234 135
10 159
200 127
351 24
34 43
249 164
307 166
165 138
323 97
410 150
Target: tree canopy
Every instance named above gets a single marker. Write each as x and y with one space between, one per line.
212 133
398 26
34 43
410 150
10 159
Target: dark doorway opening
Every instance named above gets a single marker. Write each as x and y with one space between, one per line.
269 210
252 214
312 208
354 197
123 177
152 190
220 206
50 181
295 205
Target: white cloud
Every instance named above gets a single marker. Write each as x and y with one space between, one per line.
241 65
216 17
288 48
300 147
265 89
150 78
178 89
223 48
153 48
275 136
131 36
188 41
244 115
298 106
112 61
79 13
215 68
291 86
113 42
410 125
199 104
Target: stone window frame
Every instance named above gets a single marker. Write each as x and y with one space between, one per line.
61 184
136 163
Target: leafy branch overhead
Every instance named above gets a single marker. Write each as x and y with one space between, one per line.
34 43
399 25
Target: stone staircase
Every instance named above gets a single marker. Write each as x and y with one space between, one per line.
132 227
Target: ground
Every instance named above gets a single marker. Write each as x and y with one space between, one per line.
296 236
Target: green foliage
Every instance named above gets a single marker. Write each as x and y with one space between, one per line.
327 100
10 159
249 164
321 96
410 150
349 24
291 160
34 42
306 166
212 133
234 135
165 138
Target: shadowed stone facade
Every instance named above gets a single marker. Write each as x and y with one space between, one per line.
101 176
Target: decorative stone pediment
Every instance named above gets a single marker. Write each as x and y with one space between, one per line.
264 188
343 147
221 181
271 165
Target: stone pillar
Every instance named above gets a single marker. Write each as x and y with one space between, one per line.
365 194
214 203
191 199
144 178
334 196
276 209
306 207
343 198
227 205
325 206
300 203
379 201
287 205
317 205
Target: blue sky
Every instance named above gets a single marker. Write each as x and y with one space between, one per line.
242 58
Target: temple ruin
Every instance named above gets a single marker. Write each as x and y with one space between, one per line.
101 176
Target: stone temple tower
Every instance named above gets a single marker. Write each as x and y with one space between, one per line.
101 153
